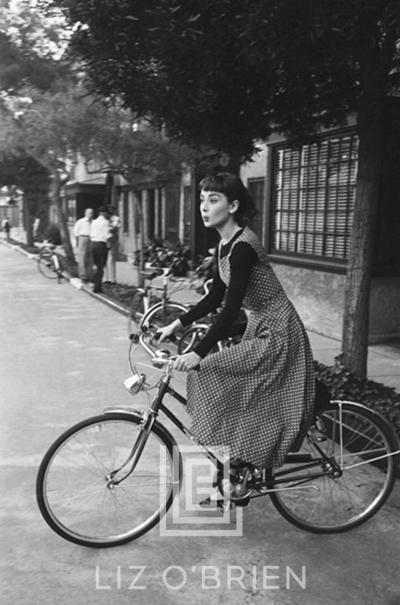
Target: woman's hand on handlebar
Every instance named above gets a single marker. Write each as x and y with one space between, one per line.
187 362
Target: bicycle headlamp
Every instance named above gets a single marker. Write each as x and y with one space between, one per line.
134 384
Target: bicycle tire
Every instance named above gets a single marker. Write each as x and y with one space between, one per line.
191 337
160 314
46 265
73 491
334 505
136 311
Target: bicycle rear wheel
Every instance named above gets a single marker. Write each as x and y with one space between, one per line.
46 265
136 311
76 495
365 449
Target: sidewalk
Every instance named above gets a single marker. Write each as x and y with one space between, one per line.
383 359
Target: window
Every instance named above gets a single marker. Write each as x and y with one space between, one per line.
71 211
256 190
313 197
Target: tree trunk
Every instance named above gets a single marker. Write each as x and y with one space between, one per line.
28 221
138 231
358 277
62 221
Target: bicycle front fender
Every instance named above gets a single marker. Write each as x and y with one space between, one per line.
142 416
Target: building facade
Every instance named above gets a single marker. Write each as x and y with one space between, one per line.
305 197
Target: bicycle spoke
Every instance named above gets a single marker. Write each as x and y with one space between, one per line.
77 496
344 498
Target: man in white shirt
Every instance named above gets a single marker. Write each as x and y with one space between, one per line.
99 236
82 234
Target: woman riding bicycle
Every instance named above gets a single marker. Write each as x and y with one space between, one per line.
255 397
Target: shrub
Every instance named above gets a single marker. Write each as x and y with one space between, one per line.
162 254
343 385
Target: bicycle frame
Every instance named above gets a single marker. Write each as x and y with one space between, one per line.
48 250
149 287
303 462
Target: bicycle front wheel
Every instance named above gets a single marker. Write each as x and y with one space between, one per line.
75 491
364 449
162 314
46 265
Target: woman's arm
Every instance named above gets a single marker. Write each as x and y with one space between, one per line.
207 304
242 260
204 306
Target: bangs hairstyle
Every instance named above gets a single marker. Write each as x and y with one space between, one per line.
230 185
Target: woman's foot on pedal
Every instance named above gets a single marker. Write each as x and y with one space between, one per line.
214 500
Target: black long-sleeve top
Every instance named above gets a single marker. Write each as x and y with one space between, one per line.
242 260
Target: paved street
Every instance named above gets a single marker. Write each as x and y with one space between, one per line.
63 358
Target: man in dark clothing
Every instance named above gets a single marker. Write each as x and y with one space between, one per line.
99 236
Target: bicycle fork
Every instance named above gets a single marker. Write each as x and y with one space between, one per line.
146 424
147 419
56 263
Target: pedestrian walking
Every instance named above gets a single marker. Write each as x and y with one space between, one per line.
255 397
113 245
5 225
81 232
99 237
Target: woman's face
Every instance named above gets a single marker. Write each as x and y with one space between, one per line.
215 209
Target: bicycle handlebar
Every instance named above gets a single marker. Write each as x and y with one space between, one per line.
160 357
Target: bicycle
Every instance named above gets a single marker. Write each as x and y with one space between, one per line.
100 482
49 263
146 309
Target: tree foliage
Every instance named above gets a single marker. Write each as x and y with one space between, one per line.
22 171
31 46
47 127
223 73
121 144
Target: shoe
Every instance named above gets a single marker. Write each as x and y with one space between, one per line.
213 501
223 505
241 477
98 290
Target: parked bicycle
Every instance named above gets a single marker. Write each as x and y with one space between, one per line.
151 305
49 263
101 483
194 333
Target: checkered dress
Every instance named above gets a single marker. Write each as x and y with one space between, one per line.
256 397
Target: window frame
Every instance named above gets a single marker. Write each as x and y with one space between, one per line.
330 264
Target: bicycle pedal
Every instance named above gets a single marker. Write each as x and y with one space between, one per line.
241 501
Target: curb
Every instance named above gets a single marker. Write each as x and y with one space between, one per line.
75 282
105 300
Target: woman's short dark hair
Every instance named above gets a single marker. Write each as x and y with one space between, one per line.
231 185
